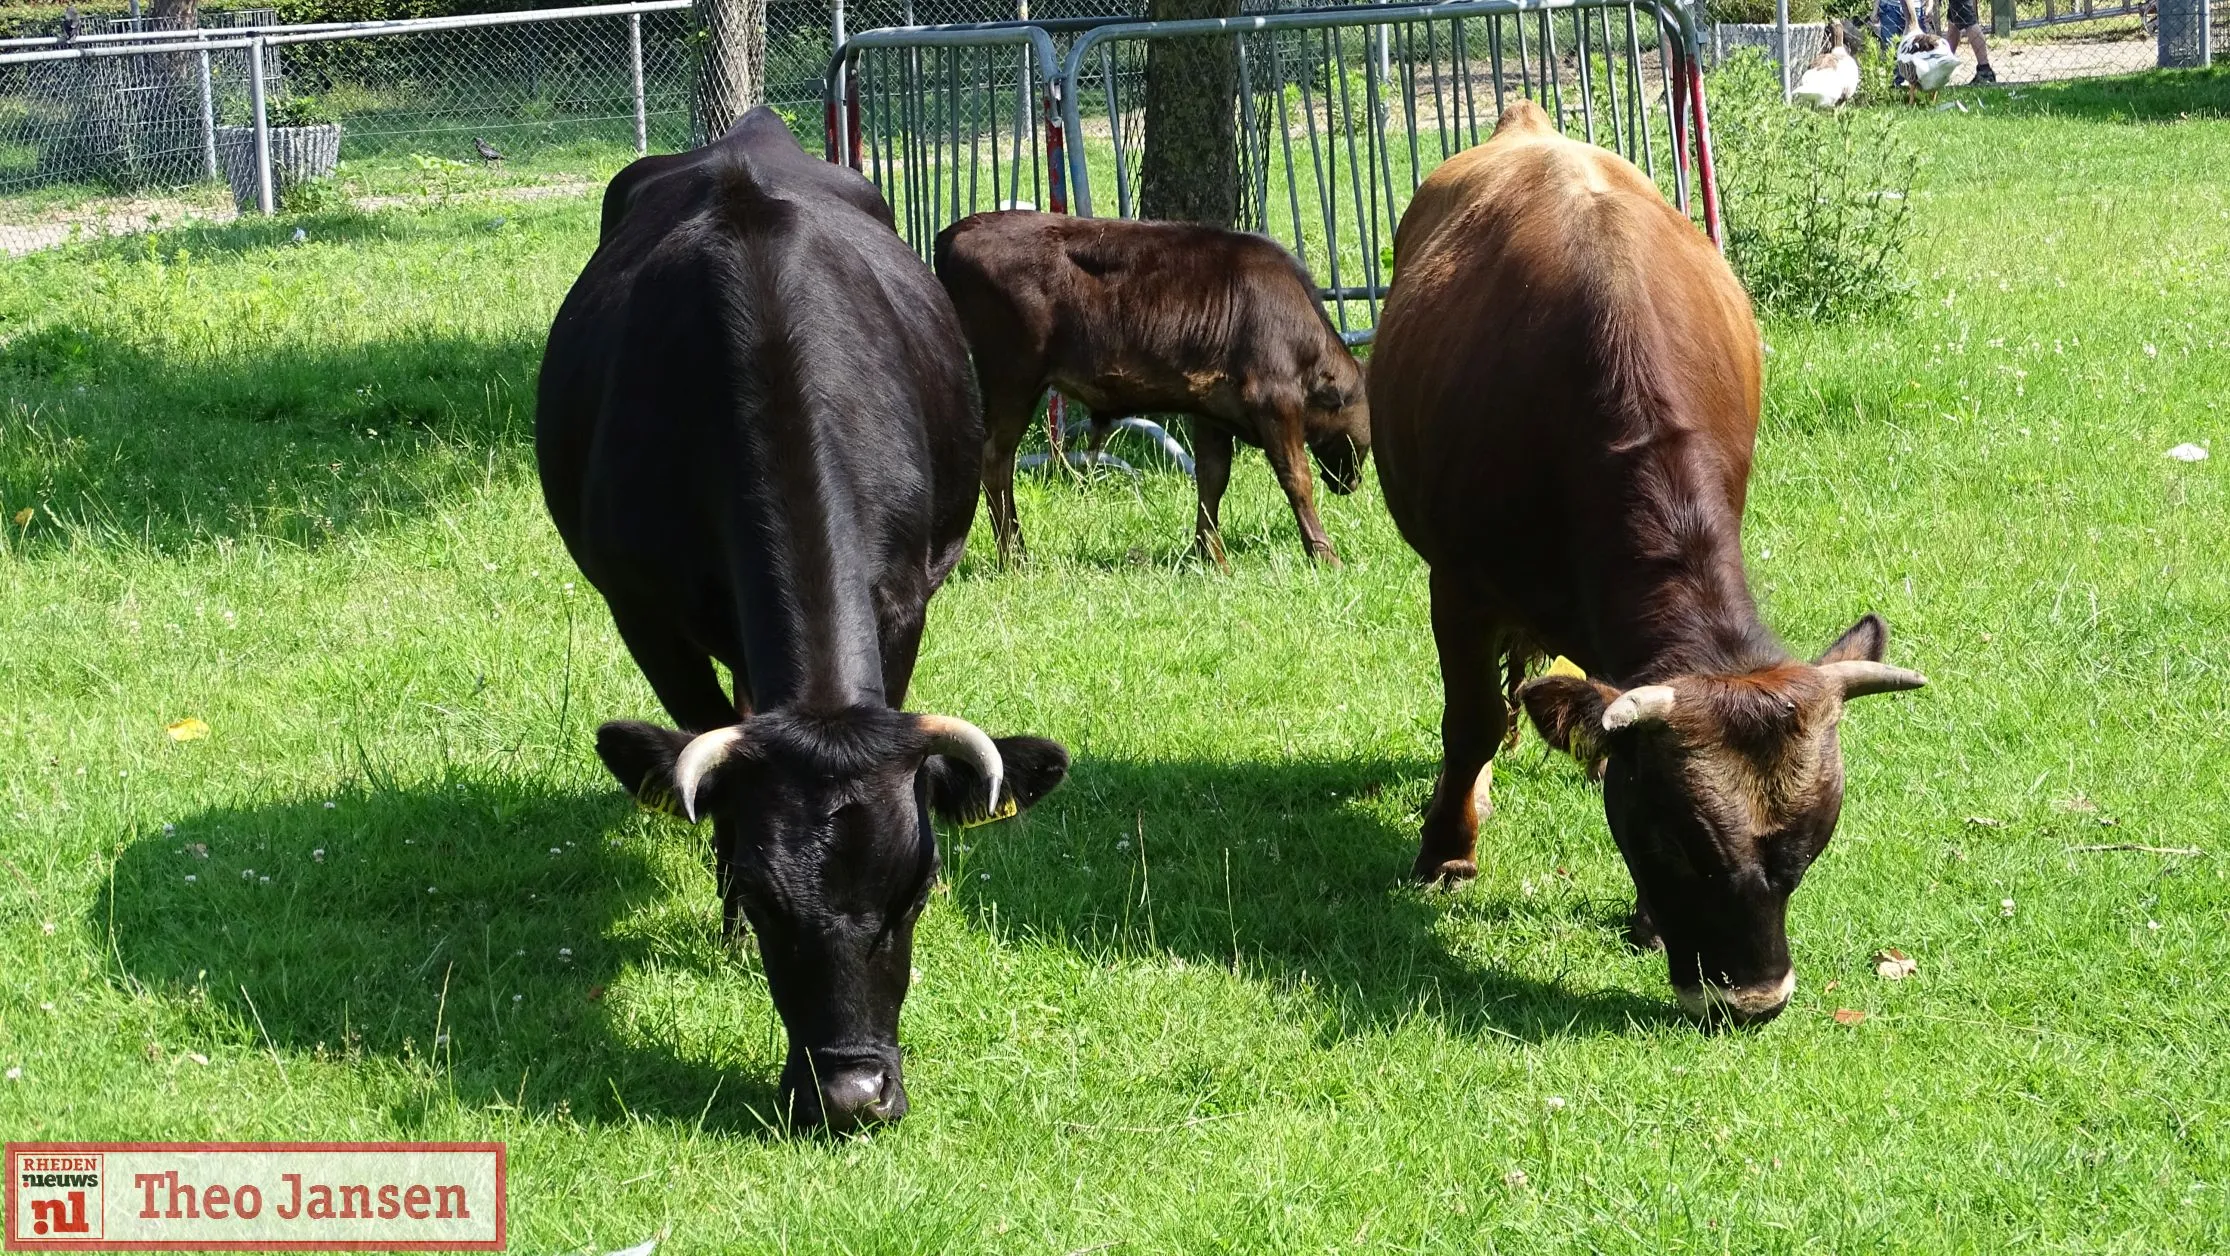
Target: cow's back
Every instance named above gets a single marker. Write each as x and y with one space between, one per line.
752 351
1558 343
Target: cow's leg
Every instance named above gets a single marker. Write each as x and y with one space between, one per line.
1290 459
1472 718
680 674
683 678
1641 929
1211 465
1006 413
1097 428
901 626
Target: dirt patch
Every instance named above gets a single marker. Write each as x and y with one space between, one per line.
122 216
106 216
2066 59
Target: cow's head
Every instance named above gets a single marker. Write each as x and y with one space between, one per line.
822 843
1721 790
1337 419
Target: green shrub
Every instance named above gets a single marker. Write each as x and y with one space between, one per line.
300 111
1761 11
314 196
1816 203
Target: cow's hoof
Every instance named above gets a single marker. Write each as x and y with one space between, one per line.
1445 873
1641 933
1327 558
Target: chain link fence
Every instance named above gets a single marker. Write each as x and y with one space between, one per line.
124 125
2022 41
117 130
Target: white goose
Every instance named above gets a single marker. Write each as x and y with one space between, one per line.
1832 79
1924 60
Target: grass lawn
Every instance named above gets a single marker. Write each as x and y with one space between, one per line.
287 489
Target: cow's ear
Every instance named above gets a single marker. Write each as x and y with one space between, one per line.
641 757
1034 765
1568 711
1866 641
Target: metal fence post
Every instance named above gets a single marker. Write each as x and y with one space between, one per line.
264 200
1781 32
2184 41
208 120
838 71
635 67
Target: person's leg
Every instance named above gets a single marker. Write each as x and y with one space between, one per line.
1983 73
1966 23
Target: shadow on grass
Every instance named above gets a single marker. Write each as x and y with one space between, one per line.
434 928
1294 868
303 443
2153 96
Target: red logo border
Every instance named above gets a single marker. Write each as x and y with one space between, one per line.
17 1150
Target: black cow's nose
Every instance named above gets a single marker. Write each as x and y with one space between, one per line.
859 1097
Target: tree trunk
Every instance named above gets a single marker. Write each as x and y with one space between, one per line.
730 78
177 15
1191 165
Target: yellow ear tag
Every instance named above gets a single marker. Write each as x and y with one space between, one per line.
1565 667
658 798
1005 811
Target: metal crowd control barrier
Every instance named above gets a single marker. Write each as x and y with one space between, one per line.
948 121
1339 115
1342 112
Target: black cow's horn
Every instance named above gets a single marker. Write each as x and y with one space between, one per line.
1859 677
698 759
1643 704
958 739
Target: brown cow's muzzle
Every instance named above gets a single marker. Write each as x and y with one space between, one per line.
1340 463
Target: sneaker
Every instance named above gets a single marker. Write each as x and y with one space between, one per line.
1984 74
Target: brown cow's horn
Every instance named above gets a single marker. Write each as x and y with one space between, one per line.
704 753
958 739
1643 704
1859 677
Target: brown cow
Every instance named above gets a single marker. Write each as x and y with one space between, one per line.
1130 317
1566 397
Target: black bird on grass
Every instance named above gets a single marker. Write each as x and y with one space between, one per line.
487 151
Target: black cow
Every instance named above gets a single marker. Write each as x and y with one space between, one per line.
760 439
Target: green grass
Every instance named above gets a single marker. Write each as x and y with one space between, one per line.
1187 1004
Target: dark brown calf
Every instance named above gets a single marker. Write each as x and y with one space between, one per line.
1565 393
1156 317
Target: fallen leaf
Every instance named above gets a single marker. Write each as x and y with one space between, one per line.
1829 986
1561 666
1848 1016
595 993
23 517
198 1058
1892 964
188 729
